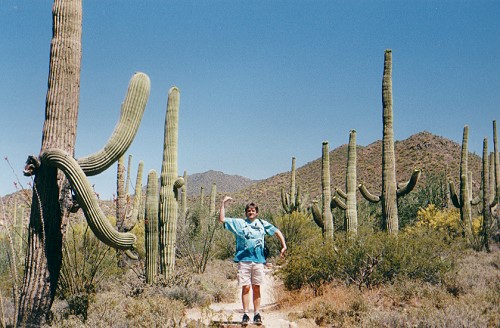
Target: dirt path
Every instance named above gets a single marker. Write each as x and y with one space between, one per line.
272 318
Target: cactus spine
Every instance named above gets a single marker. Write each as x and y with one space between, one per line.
324 217
292 201
151 227
350 205
169 185
390 189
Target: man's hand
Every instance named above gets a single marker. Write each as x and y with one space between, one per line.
226 199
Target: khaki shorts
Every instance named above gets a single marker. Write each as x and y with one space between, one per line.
250 273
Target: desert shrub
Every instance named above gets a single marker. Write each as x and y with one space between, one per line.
368 260
196 237
296 228
86 263
434 191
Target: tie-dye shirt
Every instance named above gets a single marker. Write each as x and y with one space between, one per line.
249 238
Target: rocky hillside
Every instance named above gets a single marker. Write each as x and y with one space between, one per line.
430 153
225 183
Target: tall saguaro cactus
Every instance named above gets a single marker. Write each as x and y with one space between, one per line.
324 217
390 189
292 201
464 200
350 205
151 227
56 172
169 185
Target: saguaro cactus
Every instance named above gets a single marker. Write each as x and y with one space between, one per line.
324 217
151 227
390 189
464 200
184 208
213 194
52 197
169 185
292 201
350 205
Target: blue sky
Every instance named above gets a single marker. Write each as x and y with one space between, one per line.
260 81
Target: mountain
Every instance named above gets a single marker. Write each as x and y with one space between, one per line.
430 153
225 183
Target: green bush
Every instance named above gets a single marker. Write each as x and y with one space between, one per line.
369 260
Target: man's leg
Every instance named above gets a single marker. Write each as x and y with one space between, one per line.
256 298
245 297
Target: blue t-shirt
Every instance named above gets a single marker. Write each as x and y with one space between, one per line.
249 238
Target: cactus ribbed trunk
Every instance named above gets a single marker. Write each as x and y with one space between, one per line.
326 191
151 227
121 196
485 228
351 187
389 201
168 193
213 194
465 183
50 192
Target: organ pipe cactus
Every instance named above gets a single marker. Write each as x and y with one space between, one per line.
151 227
169 185
390 189
323 216
350 205
292 201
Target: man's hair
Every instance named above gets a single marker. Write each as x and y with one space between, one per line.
252 205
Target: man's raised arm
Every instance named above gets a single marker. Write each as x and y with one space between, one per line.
222 212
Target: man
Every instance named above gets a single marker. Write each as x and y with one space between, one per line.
249 255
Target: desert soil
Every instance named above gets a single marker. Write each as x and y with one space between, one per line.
272 317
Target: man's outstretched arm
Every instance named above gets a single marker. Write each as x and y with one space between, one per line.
222 212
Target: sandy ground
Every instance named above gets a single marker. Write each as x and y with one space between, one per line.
271 317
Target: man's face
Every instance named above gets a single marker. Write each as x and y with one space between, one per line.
251 213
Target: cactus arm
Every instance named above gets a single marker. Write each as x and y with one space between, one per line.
453 195
285 201
367 195
341 193
317 217
86 198
408 186
338 203
476 200
131 114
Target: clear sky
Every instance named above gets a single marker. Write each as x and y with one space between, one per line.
260 81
